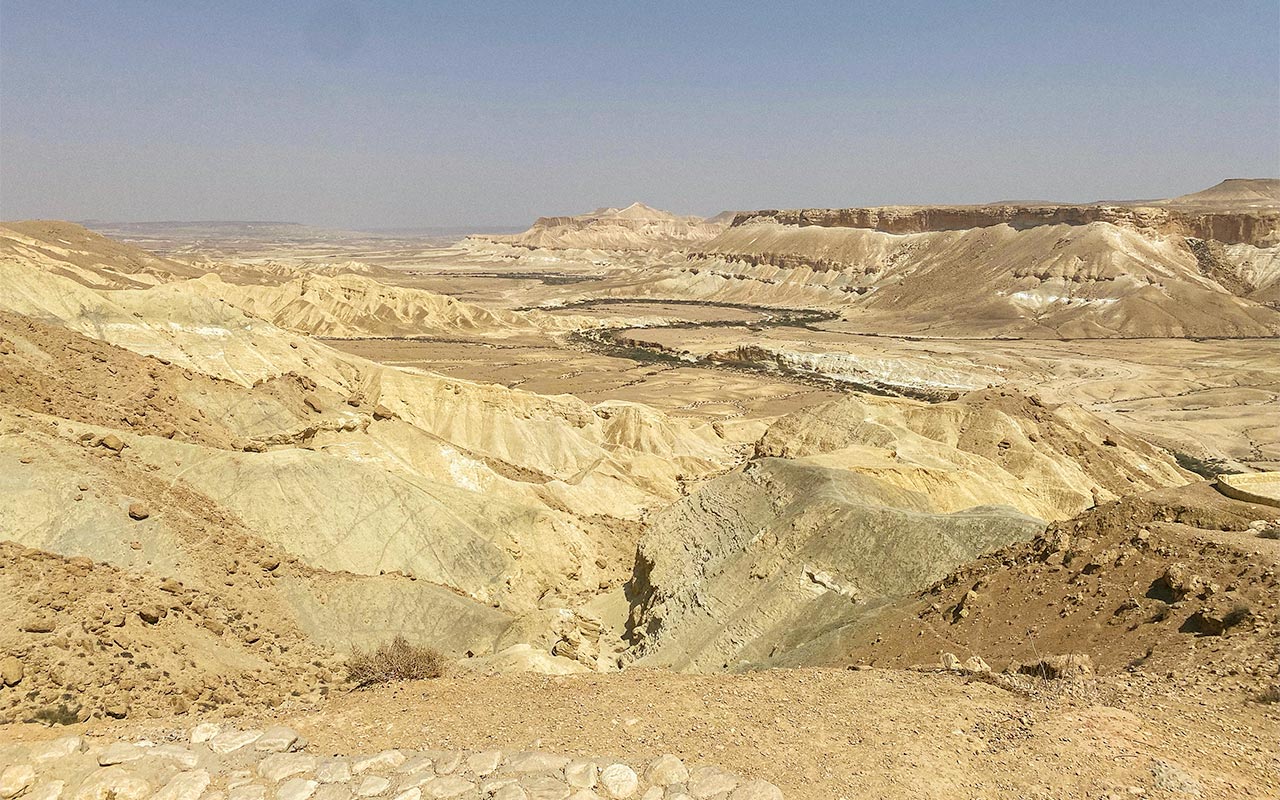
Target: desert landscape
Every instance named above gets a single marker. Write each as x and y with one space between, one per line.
880 502
639 401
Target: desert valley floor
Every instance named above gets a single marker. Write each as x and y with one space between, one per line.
946 502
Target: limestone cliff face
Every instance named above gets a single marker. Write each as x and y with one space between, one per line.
1260 228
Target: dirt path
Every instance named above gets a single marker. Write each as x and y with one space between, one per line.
828 734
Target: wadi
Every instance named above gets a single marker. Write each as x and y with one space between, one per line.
894 502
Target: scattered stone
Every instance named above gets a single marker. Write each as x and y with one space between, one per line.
333 770
313 402
232 740
252 791
756 790
951 662
510 791
15 780
58 748
449 763
619 781
411 794
545 787
382 412
296 789
278 766
332 791
51 790
666 770
39 625
387 759
976 664
707 782
484 763
139 511
112 443
534 762
11 670
184 786
372 786
205 732
447 786
278 739
113 783
581 774
653 793
152 613
120 753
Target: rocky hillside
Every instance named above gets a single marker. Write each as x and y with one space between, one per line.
1190 267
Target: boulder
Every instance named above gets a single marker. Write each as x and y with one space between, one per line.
11 670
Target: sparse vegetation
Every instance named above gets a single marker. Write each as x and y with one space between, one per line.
1204 467
396 660
60 714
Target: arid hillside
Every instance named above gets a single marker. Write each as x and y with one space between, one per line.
1199 265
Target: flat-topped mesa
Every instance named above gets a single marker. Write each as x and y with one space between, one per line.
636 227
1256 226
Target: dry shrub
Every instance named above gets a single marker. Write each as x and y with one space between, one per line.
396 660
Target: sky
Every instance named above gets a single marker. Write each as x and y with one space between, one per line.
418 114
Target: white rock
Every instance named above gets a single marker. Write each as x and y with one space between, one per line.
51 790
951 662
492 785
239 777
448 763
666 770
277 739
184 786
58 748
545 787
175 753
976 664
653 793
511 791
372 786
214 796
447 786
411 794
756 790
296 789
585 794
581 774
415 763
278 766
710 781
332 791
15 780
387 759
112 783
333 770
534 762
251 791
484 763
205 732
619 781
119 753
232 740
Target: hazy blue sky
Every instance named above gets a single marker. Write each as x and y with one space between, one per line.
472 112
